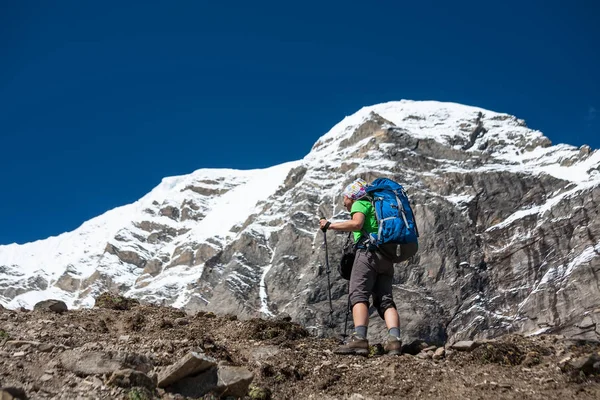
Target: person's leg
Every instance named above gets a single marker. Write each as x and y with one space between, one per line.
360 316
383 299
391 318
361 284
384 302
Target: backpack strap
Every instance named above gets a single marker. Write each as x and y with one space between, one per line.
348 239
401 208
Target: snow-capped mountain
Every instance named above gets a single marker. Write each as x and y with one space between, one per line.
508 222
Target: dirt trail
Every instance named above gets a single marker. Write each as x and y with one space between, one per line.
287 363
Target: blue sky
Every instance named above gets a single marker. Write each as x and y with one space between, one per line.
101 100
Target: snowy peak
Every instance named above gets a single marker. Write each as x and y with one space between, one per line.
504 141
448 123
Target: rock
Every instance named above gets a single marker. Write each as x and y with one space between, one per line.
64 334
532 358
191 364
356 396
97 362
91 363
429 348
56 306
562 364
12 393
586 323
22 343
422 345
587 364
195 386
45 347
19 354
46 378
439 353
234 381
115 302
224 381
127 378
182 321
284 317
465 345
263 352
94 382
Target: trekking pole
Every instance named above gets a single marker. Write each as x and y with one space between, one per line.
328 271
345 335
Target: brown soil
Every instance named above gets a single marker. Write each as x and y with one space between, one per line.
286 361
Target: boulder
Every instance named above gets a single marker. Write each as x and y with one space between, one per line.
191 364
12 393
56 306
588 364
127 378
226 381
234 381
99 363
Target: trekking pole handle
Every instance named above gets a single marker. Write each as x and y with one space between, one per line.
324 229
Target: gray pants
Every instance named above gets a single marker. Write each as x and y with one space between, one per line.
372 274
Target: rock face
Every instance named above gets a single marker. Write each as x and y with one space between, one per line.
509 232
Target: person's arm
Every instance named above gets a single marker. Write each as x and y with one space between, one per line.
353 225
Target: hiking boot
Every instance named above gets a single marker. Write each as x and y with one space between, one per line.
393 346
357 345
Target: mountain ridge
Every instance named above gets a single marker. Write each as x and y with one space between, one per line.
487 191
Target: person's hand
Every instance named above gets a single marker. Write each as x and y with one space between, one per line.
324 224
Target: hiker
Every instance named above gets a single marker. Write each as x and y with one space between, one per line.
372 274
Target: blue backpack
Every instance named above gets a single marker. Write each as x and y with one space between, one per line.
397 236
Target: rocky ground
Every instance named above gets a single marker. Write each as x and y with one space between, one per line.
124 350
